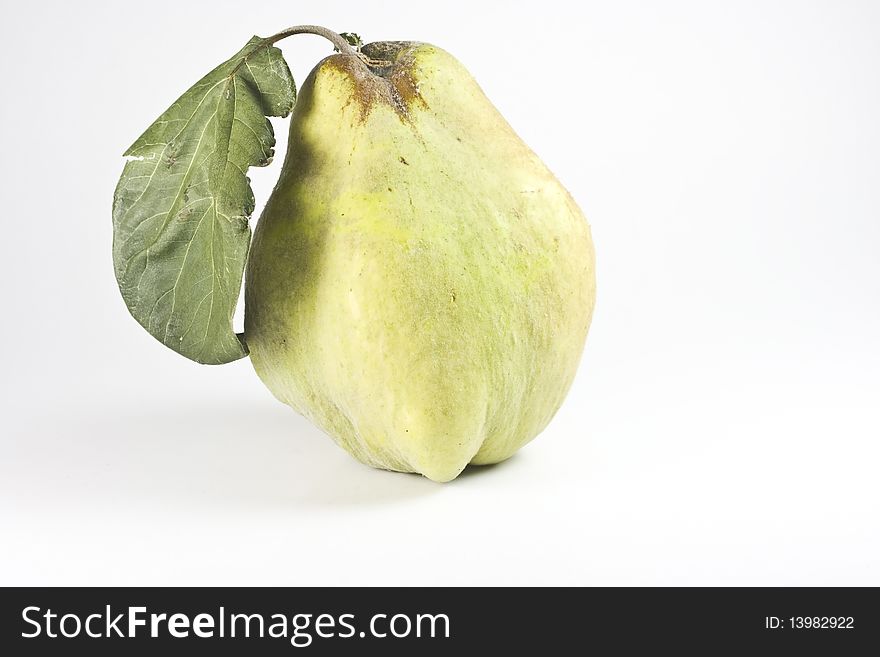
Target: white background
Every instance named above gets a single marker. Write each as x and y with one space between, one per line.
724 426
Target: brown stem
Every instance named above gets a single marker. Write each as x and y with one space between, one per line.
339 42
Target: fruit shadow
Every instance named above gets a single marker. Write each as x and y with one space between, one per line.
257 456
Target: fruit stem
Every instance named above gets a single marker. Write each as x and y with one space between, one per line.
338 41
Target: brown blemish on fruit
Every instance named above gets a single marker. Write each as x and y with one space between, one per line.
394 85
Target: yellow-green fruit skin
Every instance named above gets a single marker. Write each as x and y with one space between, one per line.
420 285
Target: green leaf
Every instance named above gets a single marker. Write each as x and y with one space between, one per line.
181 208
354 40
